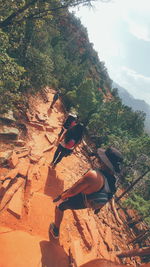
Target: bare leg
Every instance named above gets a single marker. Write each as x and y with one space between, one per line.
57 152
58 217
60 156
54 227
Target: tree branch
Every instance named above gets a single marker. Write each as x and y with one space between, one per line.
9 21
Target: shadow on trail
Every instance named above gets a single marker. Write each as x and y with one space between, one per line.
53 255
102 263
81 231
53 186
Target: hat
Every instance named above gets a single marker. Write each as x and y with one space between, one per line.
73 115
111 157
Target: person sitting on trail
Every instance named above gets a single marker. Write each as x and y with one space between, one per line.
55 98
93 190
71 121
68 142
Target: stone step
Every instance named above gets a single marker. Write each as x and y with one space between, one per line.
16 203
10 192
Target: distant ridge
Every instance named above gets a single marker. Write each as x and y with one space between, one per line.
135 104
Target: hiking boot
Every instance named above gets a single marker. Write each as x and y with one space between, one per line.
54 230
51 165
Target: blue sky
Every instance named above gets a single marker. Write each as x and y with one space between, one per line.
120 32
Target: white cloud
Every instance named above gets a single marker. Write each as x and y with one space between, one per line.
133 5
136 14
101 24
135 75
110 26
140 31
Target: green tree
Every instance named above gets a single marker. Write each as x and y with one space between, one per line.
86 101
10 77
138 203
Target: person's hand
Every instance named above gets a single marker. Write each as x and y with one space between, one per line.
62 197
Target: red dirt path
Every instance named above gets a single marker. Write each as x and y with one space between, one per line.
25 242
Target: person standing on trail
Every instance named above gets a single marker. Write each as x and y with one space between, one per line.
70 121
68 142
93 190
55 98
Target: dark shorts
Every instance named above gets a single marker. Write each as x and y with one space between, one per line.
73 203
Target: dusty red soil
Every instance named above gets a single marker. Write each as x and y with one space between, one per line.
25 241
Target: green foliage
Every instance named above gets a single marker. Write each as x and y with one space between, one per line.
10 77
138 203
18 11
118 119
39 67
85 100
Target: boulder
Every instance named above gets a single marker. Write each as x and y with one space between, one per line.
37 126
23 166
34 159
40 117
10 192
3 172
23 154
13 160
7 117
8 132
16 203
4 187
19 143
33 173
11 174
4 156
49 129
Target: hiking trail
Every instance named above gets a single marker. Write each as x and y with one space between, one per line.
24 239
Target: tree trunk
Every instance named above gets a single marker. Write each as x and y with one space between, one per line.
132 185
135 252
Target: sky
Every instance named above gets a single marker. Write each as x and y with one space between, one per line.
120 33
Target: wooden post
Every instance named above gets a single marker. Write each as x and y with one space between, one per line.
135 252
